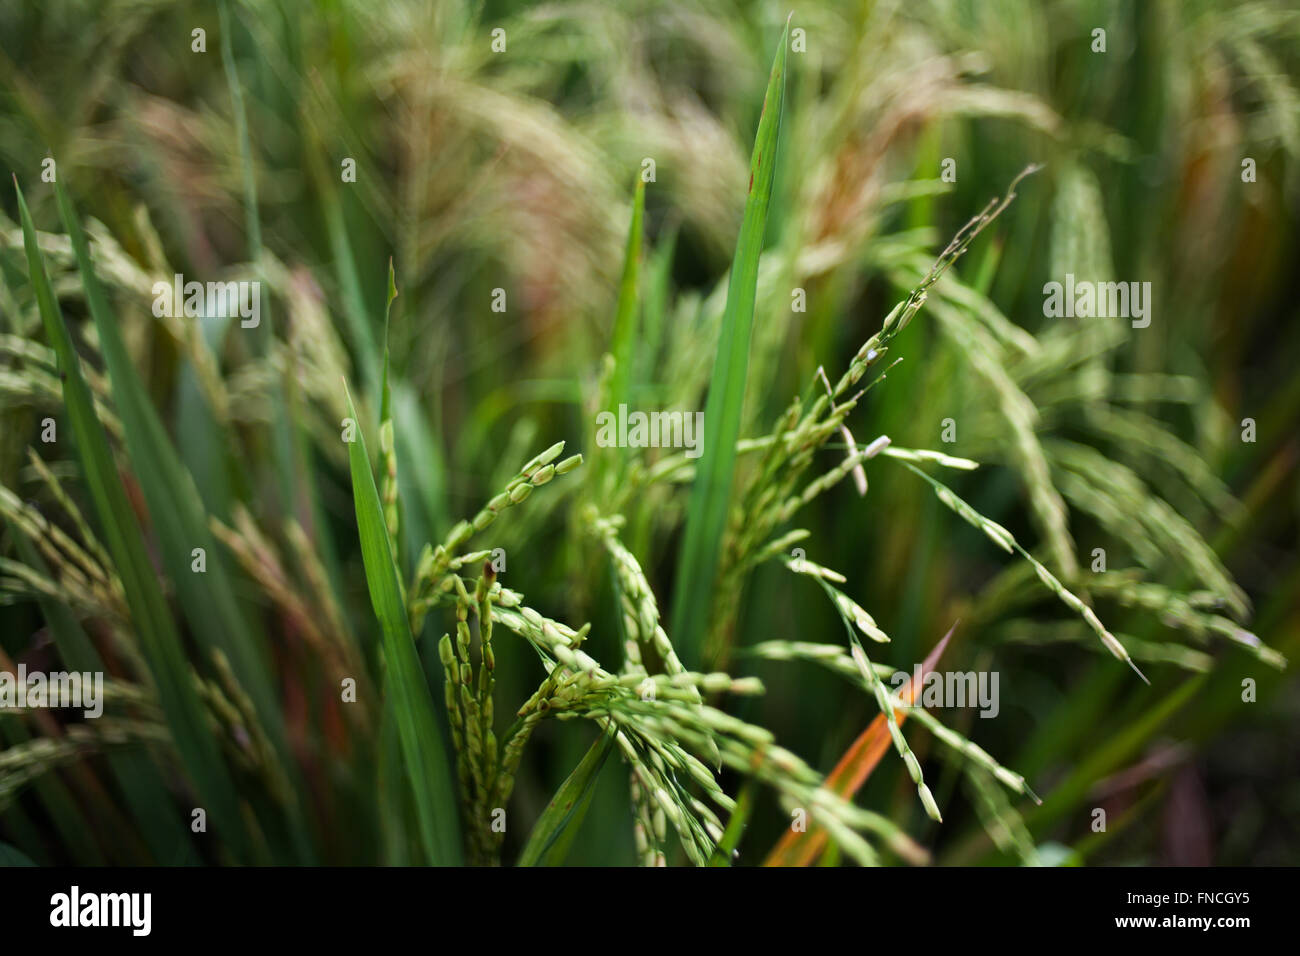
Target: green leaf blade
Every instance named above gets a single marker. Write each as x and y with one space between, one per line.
417 723
710 498
623 339
555 829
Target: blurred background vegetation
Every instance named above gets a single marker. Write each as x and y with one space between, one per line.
479 170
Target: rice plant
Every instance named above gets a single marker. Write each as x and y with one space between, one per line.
366 581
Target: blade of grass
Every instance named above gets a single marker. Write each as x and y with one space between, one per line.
623 340
388 486
417 723
707 511
158 637
659 270
624 334
553 833
393 794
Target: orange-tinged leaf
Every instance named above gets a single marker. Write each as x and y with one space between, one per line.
852 771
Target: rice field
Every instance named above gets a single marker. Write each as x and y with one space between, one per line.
649 435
